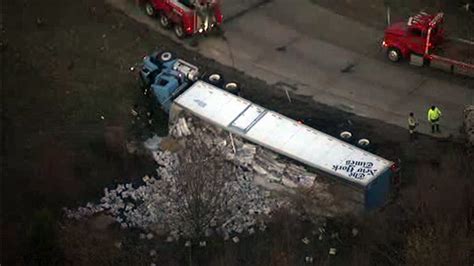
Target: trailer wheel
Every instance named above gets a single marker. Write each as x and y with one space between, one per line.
179 31
394 55
215 79
363 143
149 9
345 135
165 56
165 21
232 87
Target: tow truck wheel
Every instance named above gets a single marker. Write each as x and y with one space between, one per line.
232 87
179 31
165 21
394 55
149 9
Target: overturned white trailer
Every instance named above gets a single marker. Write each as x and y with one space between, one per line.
349 165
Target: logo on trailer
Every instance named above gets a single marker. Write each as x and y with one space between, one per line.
356 169
200 103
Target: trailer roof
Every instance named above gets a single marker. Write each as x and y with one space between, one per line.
282 134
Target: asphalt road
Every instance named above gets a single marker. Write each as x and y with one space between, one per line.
313 52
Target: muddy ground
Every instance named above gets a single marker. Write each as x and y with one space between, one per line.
67 65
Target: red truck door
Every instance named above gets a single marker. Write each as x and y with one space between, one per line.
416 41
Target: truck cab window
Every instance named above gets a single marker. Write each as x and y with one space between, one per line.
415 32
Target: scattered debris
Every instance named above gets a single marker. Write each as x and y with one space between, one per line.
281 48
355 232
118 244
308 259
39 22
153 143
348 68
251 231
131 147
202 243
157 205
305 240
332 251
288 95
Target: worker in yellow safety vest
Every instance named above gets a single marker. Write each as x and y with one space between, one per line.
412 124
434 115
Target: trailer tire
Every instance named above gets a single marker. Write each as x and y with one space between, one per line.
363 144
215 79
394 54
149 9
345 135
165 22
165 56
232 87
179 31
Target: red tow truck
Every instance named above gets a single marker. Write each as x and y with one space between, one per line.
422 41
186 17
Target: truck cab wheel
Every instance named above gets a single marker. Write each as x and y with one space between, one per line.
165 21
149 9
165 56
215 79
179 31
232 87
394 55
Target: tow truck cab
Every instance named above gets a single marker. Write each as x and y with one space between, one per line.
186 17
419 35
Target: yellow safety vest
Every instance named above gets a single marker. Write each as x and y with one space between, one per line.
434 115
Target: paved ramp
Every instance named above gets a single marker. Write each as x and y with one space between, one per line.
298 43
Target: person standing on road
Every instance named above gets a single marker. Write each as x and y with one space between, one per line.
412 124
434 115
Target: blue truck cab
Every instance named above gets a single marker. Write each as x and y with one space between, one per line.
165 77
